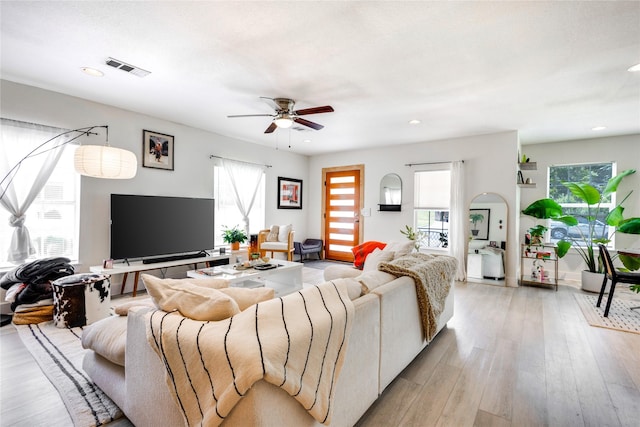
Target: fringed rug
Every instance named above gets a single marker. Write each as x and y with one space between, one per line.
59 354
621 317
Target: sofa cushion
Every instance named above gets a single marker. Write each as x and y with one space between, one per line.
361 251
108 338
376 257
400 248
273 233
246 297
370 280
191 300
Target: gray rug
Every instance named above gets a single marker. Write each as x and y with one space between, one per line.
59 354
621 317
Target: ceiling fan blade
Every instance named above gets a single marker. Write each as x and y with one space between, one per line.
250 115
305 122
271 128
314 110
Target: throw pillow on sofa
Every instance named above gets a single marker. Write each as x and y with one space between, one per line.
376 257
361 251
108 338
400 248
192 301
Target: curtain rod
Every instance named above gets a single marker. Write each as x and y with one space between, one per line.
213 156
22 122
430 163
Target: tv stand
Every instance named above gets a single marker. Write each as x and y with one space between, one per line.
140 266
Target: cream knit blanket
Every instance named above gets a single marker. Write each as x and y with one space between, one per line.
432 275
297 342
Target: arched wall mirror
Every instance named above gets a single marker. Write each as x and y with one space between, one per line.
487 238
390 192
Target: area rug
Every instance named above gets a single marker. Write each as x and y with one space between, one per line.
621 317
59 354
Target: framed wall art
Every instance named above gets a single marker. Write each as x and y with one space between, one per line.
289 193
157 150
479 219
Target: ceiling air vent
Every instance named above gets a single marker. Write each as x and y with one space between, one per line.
132 69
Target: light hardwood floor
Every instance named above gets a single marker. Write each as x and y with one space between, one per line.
509 357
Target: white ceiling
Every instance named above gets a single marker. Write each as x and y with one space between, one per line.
551 70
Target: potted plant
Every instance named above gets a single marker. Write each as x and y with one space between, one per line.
586 239
234 236
475 218
537 234
416 236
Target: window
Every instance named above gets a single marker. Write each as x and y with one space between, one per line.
431 207
227 212
53 217
596 174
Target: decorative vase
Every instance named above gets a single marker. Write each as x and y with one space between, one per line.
592 282
235 246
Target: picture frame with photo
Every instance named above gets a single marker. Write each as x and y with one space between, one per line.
289 193
157 150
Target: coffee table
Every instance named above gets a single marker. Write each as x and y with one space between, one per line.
286 278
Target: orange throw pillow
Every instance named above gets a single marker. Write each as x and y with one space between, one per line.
360 252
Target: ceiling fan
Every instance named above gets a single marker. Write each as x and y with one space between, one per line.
285 115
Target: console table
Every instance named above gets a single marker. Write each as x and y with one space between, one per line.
138 267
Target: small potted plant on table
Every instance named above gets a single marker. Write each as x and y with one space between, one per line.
234 236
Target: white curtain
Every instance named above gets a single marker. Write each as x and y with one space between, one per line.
457 216
245 179
22 180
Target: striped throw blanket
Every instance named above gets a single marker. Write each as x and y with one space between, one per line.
296 342
432 275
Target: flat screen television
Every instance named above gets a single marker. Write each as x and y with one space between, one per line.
155 226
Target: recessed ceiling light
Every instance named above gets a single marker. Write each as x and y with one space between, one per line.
597 128
92 71
306 140
634 68
414 122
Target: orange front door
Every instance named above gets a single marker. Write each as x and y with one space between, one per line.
342 201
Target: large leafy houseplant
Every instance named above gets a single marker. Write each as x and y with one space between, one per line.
584 243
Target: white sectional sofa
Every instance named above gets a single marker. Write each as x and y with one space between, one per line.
386 336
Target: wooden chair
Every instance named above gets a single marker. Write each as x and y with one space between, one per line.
285 246
615 276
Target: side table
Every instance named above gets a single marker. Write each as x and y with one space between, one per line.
80 299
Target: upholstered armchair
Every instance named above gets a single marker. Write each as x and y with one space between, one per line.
279 238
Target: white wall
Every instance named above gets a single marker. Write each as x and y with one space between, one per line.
490 166
193 170
624 150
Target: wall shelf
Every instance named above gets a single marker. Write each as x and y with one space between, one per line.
529 166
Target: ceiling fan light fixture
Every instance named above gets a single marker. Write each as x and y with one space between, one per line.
284 121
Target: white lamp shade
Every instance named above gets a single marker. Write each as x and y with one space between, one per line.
283 122
103 161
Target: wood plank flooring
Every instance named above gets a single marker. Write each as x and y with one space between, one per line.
509 357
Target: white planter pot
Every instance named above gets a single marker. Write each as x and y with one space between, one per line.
592 282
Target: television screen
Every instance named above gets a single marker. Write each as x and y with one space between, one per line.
148 226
